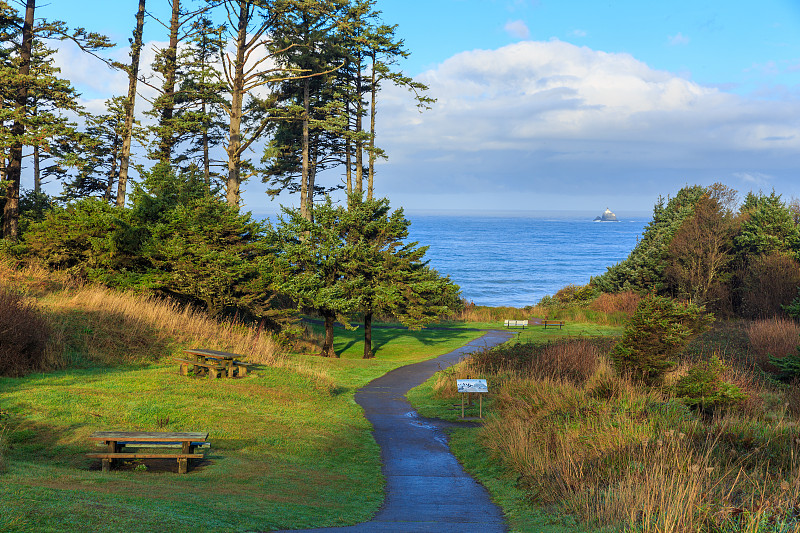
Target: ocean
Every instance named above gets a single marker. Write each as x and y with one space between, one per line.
516 259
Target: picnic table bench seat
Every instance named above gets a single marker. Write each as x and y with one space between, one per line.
116 441
212 362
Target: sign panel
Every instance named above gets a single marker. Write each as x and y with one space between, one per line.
472 385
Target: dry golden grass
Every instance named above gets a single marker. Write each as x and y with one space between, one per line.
144 317
625 302
623 455
109 326
479 313
777 337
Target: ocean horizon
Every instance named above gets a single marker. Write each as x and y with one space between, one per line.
515 258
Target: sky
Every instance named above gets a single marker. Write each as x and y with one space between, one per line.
554 104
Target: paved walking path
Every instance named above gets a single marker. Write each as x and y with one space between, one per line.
427 490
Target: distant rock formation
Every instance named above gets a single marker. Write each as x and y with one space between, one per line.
607 216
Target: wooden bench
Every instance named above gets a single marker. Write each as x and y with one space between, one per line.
213 368
214 362
553 323
116 441
515 323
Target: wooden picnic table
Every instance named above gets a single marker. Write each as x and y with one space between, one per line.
116 441
213 362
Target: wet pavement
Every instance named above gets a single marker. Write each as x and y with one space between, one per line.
427 490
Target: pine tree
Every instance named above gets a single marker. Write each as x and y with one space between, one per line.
250 27
28 81
311 262
130 103
305 135
387 274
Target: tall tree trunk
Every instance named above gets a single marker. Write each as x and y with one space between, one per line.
368 354
372 112
37 170
306 195
348 163
206 158
14 169
327 346
237 99
167 140
130 103
358 142
112 172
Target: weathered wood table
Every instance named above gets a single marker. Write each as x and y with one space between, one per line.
115 441
212 362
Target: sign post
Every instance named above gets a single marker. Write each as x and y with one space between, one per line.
465 386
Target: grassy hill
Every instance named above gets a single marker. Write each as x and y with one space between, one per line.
290 448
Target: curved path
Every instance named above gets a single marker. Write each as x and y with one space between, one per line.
427 490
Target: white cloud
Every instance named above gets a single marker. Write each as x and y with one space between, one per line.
679 39
578 33
517 29
552 117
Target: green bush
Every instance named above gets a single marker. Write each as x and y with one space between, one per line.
704 388
788 367
659 330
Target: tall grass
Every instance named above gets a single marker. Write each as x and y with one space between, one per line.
777 337
617 454
108 327
144 316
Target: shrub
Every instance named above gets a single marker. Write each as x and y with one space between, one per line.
576 294
658 331
23 336
574 360
774 337
703 386
770 283
624 302
788 367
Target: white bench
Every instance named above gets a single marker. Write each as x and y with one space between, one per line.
515 323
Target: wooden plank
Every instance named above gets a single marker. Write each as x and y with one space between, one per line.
144 436
145 455
214 353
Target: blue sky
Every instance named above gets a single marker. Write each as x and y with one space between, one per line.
561 104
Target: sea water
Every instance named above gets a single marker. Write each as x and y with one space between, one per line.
515 260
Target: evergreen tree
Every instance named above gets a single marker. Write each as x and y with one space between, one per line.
32 96
768 226
200 97
644 268
389 274
130 103
311 263
305 139
90 166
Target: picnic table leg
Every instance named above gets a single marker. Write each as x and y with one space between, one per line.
212 373
112 447
230 369
183 465
242 370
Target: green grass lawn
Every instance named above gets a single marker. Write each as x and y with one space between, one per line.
290 448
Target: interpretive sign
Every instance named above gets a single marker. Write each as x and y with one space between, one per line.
472 385
466 386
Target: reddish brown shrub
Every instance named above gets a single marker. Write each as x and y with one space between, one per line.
624 302
574 360
23 336
777 337
770 282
